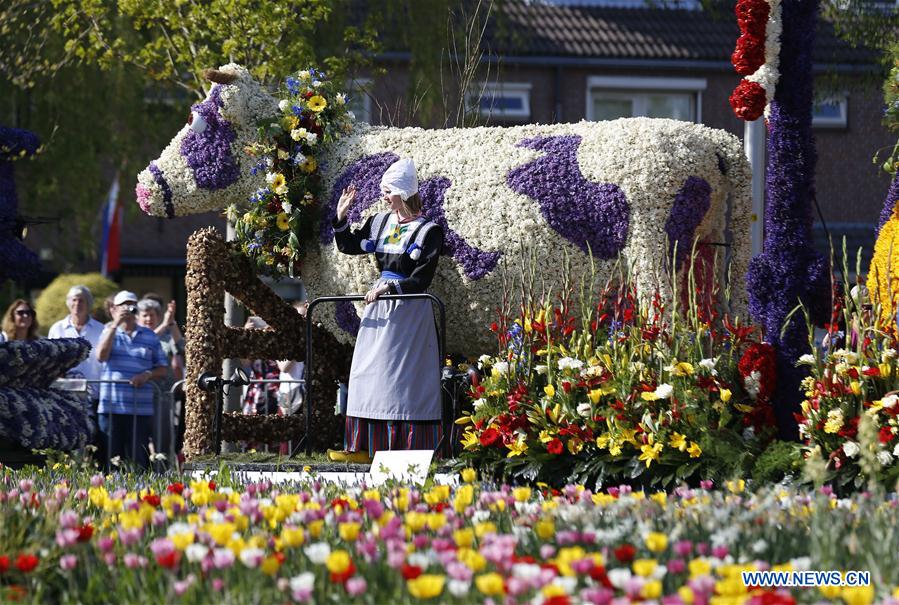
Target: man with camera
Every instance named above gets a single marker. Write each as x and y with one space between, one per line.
132 355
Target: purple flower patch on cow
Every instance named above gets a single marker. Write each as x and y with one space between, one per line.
347 319
476 263
690 206
592 216
208 152
366 174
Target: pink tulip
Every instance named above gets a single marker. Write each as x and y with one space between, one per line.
68 562
356 585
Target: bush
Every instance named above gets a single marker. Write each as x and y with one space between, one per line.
51 304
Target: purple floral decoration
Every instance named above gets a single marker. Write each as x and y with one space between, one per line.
366 174
690 206
164 187
31 413
347 319
208 153
16 261
592 216
890 203
789 270
476 263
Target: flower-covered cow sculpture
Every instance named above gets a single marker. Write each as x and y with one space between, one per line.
640 188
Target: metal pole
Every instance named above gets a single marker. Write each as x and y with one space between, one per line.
307 374
231 319
754 134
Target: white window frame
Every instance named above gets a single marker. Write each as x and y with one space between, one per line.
361 86
491 90
639 85
842 121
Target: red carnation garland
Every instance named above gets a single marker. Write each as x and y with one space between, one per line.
749 58
748 100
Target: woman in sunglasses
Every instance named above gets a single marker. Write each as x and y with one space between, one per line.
19 322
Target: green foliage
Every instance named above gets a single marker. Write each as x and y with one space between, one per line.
176 41
780 458
51 304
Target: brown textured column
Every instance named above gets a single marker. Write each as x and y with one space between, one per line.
213 267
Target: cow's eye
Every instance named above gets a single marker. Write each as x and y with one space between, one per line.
197 122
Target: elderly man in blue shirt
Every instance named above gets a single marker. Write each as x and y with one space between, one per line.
131 353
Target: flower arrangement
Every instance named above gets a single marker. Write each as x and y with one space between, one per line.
495 189
756 56
277 226
72 537
606 389
850 412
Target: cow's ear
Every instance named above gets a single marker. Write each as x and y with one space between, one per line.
219 77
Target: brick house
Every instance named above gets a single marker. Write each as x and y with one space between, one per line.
561 63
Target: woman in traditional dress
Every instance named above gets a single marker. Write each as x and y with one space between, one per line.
394 390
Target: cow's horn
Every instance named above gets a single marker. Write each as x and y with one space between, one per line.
219 77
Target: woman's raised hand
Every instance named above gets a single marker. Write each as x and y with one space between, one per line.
346 200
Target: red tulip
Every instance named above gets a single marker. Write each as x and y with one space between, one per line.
26 563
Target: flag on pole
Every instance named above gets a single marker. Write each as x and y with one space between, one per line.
112 226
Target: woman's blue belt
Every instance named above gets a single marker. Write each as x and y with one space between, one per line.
392 275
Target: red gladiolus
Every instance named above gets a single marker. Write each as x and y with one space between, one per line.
26 563
341 578
489 437
886 434
410 572
175 488
169 560
760 357
875 371
554 447
748 100
625 553
749 55
4 563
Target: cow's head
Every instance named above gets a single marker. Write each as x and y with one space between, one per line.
203 167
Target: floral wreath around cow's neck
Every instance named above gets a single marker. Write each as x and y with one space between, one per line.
278 219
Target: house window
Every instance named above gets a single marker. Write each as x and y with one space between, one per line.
612 97
502 100
358 99
830 112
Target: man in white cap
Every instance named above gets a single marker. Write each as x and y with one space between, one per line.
134 354
79 324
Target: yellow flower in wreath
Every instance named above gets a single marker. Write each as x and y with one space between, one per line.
283 221
316 103
309 165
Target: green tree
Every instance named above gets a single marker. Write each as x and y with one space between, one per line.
106 83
